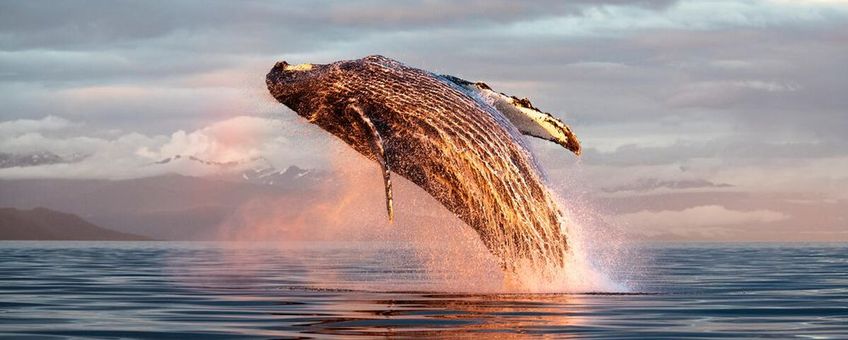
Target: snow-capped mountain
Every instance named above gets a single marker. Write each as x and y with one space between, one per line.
293 175
212 163
259 171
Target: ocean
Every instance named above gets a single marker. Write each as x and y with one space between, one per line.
348 290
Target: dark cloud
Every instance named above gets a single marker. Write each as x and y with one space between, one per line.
85 24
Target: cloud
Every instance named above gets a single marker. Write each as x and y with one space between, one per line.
822 215
660 73
677 91
737 151
652 184
689 15
724 93
114 154
234 139
21 126
706 220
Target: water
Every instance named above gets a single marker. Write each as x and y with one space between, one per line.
326 290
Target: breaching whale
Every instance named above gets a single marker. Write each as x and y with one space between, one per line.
458 140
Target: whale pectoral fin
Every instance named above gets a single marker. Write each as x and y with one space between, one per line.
521 113
533 122
379 151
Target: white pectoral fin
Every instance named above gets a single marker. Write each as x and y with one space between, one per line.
528 119
533 122
379 152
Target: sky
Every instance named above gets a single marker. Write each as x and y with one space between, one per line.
705 120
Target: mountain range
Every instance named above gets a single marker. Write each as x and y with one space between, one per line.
46 224
167 207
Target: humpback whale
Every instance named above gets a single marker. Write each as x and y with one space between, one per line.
460 141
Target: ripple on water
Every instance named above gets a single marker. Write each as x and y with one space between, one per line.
179 290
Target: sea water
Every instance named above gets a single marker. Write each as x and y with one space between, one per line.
327 290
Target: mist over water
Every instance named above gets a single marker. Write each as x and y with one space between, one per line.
351 208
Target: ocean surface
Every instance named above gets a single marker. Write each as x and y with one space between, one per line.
333 290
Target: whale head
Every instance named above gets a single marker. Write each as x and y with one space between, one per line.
312 91
292 85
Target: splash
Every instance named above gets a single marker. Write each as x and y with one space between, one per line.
349 208
597 259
